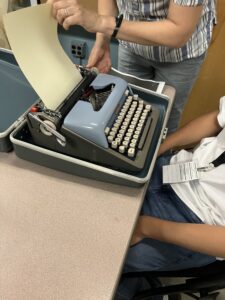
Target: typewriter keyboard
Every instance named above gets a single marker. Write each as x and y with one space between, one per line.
128 133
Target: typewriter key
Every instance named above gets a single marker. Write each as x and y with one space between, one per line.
131 152
110 138
122 149
127 93
107 130
132 145
114 144
148 107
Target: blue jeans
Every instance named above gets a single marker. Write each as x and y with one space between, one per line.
180 75
151 255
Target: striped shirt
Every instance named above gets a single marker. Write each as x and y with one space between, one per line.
154 10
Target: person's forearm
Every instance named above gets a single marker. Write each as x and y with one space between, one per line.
174 31
208 239
163 33
106 8
204 126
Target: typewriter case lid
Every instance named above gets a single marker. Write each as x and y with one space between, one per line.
16 97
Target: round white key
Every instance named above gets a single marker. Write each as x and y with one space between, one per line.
112 133
144 114
107 130
129 134
131 152
118 140
134 141
132 145
125 144
114 144
122 149
148 107
114 129
110 138
127 138
126 93
133 123
128 118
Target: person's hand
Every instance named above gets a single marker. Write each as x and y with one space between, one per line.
100 57
138 234
70 12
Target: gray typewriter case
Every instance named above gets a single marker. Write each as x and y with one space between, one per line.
18 96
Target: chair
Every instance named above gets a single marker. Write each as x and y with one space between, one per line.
203 281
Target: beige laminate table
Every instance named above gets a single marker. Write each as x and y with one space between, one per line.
62 237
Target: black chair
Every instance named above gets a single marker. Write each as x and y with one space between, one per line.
202 283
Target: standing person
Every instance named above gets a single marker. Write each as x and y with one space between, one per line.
163 40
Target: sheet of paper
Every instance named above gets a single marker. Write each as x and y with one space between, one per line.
32 34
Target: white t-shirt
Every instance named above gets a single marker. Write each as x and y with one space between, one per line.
206 196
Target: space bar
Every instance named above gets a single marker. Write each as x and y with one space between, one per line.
145 132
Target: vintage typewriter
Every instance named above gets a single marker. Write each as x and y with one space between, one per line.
101 121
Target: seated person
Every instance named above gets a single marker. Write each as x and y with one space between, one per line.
181 224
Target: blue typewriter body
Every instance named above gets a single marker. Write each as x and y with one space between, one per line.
101 121
91 124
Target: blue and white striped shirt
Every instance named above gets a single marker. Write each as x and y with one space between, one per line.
153 10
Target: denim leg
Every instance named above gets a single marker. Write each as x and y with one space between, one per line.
133 64
180 75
